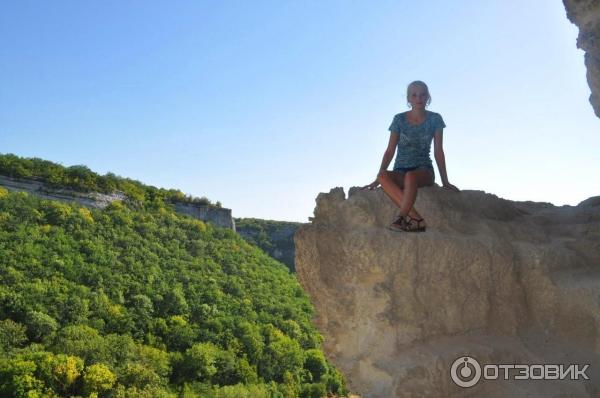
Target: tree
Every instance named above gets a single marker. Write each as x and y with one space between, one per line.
98 378
199 362
280 355
251 340
315 363
12 335
40 326
179 334
82 341
140 376
17 379
60 372
314 390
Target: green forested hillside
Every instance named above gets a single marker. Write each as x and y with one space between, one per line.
81 178
147 303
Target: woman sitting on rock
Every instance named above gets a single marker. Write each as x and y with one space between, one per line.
411 133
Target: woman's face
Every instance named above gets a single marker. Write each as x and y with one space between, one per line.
417 97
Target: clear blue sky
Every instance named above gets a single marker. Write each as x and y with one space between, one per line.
264 104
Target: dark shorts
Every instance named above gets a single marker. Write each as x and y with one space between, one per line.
406 169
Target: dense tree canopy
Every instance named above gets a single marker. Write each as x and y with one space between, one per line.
126 302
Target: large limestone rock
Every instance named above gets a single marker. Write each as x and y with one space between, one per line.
586 15
504 282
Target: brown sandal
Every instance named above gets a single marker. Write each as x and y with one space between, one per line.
398 225
407 224
411 227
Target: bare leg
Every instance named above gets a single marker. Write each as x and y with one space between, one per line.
412 181
402 188
392 183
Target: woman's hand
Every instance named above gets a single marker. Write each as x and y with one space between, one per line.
451 187
372 185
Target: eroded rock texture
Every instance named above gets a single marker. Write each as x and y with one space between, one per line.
501 281
586 15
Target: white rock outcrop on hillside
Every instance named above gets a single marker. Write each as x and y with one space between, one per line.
95 200
504 282
220 217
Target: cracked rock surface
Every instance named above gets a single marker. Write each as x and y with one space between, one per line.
501 281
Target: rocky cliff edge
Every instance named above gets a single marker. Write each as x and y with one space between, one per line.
503 282
586 15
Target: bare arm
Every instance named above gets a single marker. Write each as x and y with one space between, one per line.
388 155
440 159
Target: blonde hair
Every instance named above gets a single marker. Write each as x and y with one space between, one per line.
420 84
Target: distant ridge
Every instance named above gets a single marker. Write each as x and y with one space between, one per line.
79 184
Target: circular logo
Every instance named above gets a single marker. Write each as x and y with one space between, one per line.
465 371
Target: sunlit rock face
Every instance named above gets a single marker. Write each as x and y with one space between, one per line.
586 15
501 281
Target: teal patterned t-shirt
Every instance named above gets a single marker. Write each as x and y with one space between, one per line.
414 141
